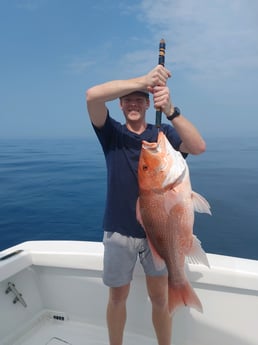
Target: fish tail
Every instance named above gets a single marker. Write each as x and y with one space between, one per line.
183 296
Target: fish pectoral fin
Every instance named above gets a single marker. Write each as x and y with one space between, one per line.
201 205
170 200
196 254
159 263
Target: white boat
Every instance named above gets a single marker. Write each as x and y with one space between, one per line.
51 293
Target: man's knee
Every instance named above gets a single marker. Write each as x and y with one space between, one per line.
159 300
118 295
158 291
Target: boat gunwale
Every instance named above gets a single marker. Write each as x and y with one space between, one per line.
224 271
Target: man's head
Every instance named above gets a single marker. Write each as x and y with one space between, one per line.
134 105
141 92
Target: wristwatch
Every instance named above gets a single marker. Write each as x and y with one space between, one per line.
175 114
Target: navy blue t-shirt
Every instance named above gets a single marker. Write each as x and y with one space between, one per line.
122 148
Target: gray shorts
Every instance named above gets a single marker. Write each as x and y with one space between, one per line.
120 256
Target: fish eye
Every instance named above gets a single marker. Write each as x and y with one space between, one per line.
144 167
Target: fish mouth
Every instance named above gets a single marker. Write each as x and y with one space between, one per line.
153 147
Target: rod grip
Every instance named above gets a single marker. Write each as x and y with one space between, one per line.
162 49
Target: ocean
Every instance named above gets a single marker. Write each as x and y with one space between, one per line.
54 189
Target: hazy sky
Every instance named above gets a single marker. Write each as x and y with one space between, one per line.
53 50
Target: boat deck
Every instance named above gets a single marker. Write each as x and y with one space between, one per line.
47 330
65 299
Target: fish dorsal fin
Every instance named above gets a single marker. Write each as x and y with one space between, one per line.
201 205
197 255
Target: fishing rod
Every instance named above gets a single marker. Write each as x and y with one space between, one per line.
162 48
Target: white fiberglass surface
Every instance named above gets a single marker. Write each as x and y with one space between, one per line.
46 331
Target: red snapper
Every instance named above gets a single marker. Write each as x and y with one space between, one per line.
165 208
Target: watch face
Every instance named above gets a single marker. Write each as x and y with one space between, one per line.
176 110
175 114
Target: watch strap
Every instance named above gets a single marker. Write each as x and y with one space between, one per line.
175 114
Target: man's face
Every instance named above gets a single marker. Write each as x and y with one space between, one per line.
134 106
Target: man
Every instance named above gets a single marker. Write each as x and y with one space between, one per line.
124 238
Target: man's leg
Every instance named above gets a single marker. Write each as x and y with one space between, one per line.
158 291
116 313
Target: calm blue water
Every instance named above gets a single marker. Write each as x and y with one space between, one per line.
55 189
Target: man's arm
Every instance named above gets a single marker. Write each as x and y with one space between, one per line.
192 141
98 95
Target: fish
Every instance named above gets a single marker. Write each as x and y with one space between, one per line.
165 209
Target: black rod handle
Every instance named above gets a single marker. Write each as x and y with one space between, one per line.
162 48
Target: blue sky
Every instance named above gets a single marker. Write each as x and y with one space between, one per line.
53 50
